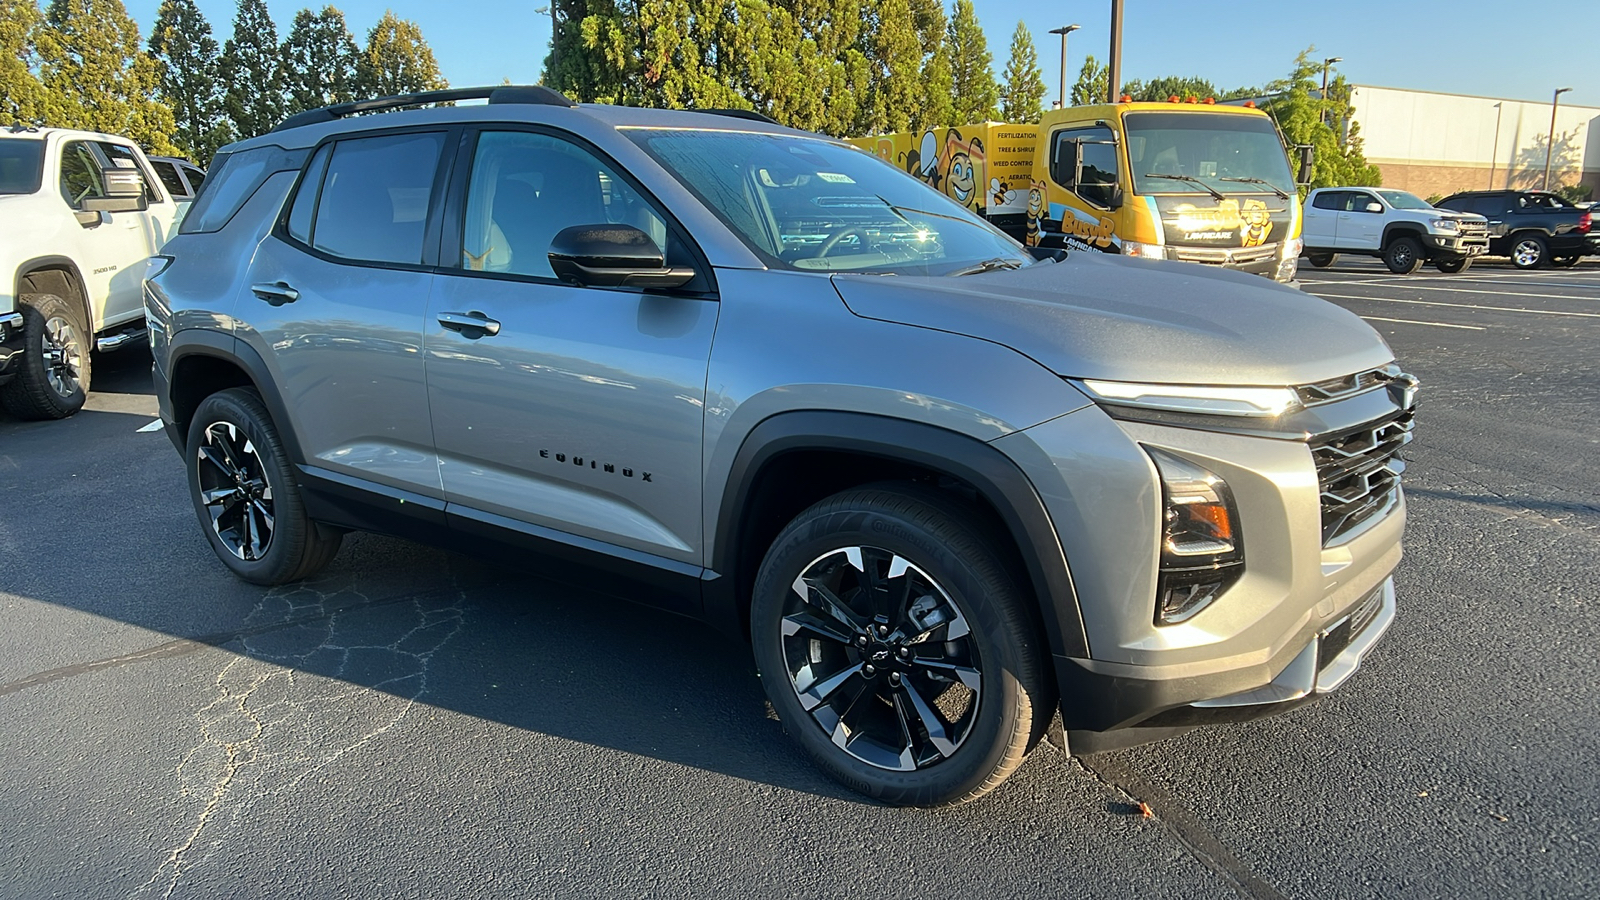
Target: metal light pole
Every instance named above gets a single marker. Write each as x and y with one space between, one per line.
1550 145
1494 155
1063 31
1322 115
1114 64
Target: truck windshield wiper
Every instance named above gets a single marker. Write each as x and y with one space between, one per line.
1190 179
1270 186
989 265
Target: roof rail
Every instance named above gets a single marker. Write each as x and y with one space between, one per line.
512 93
750 114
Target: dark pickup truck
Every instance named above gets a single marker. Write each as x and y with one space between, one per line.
1530 227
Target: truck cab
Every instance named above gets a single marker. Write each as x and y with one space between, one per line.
1181 181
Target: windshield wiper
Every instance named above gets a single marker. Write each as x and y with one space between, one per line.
989 265
1190 179
1270 186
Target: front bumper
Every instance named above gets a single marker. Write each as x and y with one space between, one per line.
1458 245
11 339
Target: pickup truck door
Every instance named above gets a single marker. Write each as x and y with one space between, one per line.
1360 229
1321 228
111 248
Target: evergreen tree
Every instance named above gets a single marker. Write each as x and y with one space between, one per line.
1305 119
1023 97
189 64
1159 90
21 94
319 60
253 97
94 76
1091 86
895 56
591 50
397 60
974 92
935 107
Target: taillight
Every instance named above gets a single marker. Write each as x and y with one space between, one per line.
1583 223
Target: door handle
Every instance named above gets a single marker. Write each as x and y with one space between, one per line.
277 293
469 322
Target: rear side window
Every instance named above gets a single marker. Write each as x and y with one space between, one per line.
305 199
196 178
21 166
235 178
168 173
1329 200
374 200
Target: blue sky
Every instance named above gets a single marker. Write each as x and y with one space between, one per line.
1434 45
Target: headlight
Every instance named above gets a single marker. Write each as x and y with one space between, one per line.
1202 550
1448 225
1143 251
1188 398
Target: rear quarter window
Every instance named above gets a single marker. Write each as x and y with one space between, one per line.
233 180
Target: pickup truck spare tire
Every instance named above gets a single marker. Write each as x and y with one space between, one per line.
896 647
53 377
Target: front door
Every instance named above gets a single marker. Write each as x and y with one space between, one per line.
111 248
563 407
1360 228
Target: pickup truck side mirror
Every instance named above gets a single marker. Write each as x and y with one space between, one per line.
613 256
1307 159
125 192
1374 207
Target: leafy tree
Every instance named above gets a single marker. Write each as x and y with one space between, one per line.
319 60
1576 193
975 93
189 66
1160 89
1092 81
895 55
21 94
1022 99
1307 119
94 76
252 73
397 60
934 106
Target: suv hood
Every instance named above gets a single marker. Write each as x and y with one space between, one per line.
1099 316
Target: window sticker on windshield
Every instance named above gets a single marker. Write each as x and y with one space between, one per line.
836 178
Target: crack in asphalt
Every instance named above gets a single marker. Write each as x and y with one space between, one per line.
1181 824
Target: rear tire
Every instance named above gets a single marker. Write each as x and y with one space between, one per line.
53 377
1453 266
245 495
1321 260
1403 255
910 668
1529 251
1565 262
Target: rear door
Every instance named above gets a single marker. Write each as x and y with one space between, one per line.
571 409
335 304
1321 228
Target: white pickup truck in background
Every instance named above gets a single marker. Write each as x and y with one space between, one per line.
80 214
1397 227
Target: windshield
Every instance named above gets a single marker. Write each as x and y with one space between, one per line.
21 166
1403 200
813 205
1223 152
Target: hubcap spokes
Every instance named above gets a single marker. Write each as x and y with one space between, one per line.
235 491
1527 253
63 356
882 659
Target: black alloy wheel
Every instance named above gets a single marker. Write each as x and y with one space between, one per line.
245 495
896 647
1403 255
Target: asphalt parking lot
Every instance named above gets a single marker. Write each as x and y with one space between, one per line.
418 724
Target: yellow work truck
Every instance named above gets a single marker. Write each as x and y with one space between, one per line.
1190 181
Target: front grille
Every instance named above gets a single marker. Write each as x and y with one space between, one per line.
1340 388
1223 256
1358 471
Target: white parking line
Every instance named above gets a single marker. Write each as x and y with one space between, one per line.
1434 324
1531 312
1454 290
146 429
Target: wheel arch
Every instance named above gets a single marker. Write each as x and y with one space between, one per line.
791 460
1404 229
56 275
202 362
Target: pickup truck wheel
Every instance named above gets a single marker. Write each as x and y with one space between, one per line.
1321 260
1403 255
1529 251
1453 266
53 381
896 648
245 495
1565 262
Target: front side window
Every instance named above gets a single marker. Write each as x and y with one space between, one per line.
21 166
196 178
1097 182
1359 202
374 200
813 205
168 173
80 174
526 187
120 156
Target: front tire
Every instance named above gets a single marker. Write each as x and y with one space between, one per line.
896 647
53 379
1403 255
1453 266
245 495
1529 251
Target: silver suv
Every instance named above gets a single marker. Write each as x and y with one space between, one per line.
943 487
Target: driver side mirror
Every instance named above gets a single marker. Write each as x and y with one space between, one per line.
1307 158
613 256
125 192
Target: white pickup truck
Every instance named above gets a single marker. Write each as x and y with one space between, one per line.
80 214
1397 227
